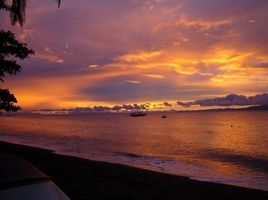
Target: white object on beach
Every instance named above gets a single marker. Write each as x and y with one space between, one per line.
21 180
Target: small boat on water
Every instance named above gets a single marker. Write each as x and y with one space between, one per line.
138 114
163 116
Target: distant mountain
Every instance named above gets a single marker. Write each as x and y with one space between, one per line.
251 108
257 108
260 108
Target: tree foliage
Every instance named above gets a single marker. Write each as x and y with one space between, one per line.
10 49
7 101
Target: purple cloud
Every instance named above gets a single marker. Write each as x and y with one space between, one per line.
117 108
167 104
185 104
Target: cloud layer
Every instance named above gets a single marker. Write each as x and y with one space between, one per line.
126 51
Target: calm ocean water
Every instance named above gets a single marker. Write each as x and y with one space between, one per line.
226 147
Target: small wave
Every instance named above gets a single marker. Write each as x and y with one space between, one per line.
256 163
143 161
131 155
142 157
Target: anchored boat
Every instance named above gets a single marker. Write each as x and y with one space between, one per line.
138 114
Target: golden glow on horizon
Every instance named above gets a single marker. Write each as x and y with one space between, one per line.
228 62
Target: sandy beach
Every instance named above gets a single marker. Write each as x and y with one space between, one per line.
87 179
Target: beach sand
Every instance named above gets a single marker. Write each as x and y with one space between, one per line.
87 179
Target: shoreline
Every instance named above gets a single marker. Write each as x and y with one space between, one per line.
82 178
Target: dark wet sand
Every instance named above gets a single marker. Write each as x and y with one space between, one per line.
86 179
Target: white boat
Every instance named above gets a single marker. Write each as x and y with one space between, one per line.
163 116
138 114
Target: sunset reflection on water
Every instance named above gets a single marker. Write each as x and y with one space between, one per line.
229 147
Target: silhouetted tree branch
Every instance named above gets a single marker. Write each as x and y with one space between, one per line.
10 47
7 101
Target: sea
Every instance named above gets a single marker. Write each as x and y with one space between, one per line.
229 147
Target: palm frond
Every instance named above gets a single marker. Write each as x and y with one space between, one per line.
58 1
17 11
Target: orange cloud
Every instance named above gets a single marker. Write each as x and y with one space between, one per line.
201 23
140 56
133 81
49 56
157 76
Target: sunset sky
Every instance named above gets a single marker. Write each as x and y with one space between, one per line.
108 52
